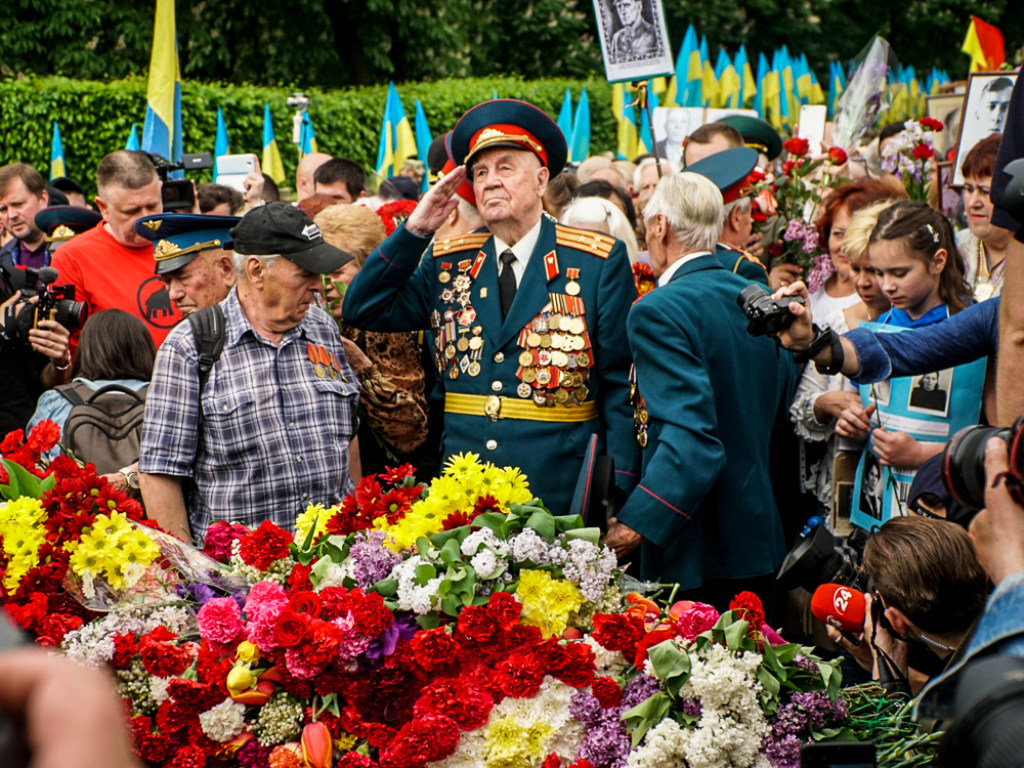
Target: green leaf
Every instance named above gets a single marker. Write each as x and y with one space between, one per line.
544 524
768 681
450 553
645 715
671 665
593 535
429 621
385 587
424 573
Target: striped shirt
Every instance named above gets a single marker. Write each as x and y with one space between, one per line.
275 427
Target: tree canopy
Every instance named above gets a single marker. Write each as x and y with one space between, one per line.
333 43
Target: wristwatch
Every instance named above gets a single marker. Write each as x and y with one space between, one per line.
131 477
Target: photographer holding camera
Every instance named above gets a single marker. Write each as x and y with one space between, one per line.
30 362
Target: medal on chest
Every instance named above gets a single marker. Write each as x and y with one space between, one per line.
458 340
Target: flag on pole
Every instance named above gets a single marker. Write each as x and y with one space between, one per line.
984 44
762 75
307 136
221 145
397 143
271 163
133 139
565 118
56 155
676 96
625 122
728 80
579 147
836 85
645 143
694 76
423 142
747 84
161 132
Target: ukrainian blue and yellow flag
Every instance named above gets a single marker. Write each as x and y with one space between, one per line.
133 139
709 85
397 144
747 83
694 76
271 163
423 141
307 136
625 122
56 155
645 142
161 133
762 75
564 121
836 85
579 145
221 145
728 81
676 96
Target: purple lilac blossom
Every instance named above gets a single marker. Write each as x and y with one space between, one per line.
638 690
371 559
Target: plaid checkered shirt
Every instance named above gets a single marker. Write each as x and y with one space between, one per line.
274 431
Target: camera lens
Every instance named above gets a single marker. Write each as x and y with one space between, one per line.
963 464
748 295
71 314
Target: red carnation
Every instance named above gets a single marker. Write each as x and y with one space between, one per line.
290 628
930 123
650 640
356 760
424 740
748 607
433 649
477 623
519 675
125 648
189 756
466 705
837 156
607 692
797 146
370 614
298 579
578 670
164 659
923 152
505 609
265 545
619 631
43 436
322 642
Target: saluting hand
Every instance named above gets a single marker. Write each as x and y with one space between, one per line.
436 205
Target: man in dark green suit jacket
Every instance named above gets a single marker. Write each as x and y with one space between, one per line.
711 394
532 353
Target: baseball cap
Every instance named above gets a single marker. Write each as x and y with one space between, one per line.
281 229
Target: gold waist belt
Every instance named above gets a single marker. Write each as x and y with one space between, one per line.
497 407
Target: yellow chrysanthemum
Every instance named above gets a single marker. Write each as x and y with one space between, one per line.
463 465
511 743
114 549
547 603
315 515
21 527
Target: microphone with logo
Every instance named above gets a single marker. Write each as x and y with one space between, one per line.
842 607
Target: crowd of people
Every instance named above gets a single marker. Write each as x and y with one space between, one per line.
540 314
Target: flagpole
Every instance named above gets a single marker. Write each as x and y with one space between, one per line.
640 86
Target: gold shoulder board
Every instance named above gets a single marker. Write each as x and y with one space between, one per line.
471 241
596 243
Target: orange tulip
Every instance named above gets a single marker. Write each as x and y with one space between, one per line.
316 745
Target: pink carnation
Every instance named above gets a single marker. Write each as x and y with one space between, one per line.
698 618
352 641
220 620
300 667
264 604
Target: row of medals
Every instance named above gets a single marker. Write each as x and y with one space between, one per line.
556 347
556 356
640 417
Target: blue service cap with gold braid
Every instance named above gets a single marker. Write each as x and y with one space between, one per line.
728 170
179 237
509 123
63 222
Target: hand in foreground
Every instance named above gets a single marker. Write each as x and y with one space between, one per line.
800 332
70 713
253 185
855 421
51 338
998 530
621 537
898 449
436 205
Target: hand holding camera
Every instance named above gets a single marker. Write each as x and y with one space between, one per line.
998 530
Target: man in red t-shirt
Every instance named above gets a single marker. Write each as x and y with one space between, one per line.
111 266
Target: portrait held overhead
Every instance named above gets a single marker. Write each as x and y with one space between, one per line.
664 416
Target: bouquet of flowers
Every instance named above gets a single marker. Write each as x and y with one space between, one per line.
456 625
785 205
908 155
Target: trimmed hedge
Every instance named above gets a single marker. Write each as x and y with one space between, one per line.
95 118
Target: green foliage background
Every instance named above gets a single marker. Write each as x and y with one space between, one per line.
95 117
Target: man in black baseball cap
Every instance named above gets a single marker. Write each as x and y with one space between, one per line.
267 432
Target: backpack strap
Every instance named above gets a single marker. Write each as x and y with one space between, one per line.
208 329
73 392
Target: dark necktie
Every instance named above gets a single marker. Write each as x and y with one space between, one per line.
506 282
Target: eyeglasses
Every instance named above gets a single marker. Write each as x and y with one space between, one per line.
928 505
971 189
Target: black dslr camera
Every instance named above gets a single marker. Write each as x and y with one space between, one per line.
821 557
767 316
177 194
55 302
963 463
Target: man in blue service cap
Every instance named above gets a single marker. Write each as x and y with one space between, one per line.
193 256
730 171
528 316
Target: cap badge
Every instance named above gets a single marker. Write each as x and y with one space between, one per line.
311 231
153 224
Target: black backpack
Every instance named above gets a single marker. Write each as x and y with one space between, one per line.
104 426
208 329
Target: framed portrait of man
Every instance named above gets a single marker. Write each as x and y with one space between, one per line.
634 39
671 127
984 113
947 108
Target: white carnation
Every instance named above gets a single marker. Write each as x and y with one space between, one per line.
224 721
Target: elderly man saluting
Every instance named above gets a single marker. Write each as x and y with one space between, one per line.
268 433
528 316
